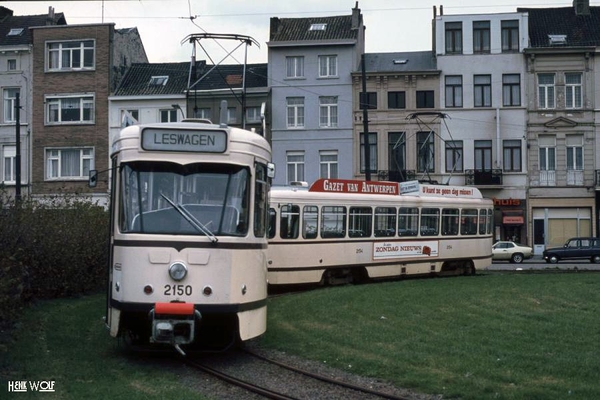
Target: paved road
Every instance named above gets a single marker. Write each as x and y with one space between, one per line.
537 262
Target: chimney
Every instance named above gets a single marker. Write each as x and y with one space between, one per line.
582 7
441 10
50 20
434 11
274 28
356 17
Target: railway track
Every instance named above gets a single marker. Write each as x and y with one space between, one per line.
273 379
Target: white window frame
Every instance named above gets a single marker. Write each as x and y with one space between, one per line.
294 67
9 101
169 113
60 55
329 167
328 66
328 111
546 92
575 152
55 103
9 164
295 166
295 112
12 64
55 159
253 114
573 90
130 117
231 115
204 113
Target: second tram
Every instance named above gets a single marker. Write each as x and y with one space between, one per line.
349 231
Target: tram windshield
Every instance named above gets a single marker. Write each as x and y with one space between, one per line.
195 199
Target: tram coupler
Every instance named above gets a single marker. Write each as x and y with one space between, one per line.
174 323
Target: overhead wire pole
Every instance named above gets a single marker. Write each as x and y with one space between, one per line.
363 103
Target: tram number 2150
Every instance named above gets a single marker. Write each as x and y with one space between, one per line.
178 290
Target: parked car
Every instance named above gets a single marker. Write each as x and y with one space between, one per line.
579 248
511 251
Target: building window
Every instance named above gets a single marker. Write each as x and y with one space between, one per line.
510 36
396 155
231 115
169 115
482 85
453 37
574 152
253 114
483 155
573 90
425 152
295 166
203 113
425 99
11 64
10 99
511 90
454 91
328 112
396 100
295 112
372 152
317 27
368 100
159 80
71 55
512 155
546 91
329 164
129 117
547 155
327 66
294 67
9 161
69 163
70 109
454 156
481 36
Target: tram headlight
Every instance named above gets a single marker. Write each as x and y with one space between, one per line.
177 271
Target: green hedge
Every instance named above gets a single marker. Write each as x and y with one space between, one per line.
50 247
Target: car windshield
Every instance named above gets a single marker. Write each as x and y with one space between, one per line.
196 199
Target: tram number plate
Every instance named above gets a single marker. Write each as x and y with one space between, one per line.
178 290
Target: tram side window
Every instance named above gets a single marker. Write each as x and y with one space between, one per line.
408 221
385 221
333 222
361 219
482 221
489 222
450 221
468 222
430 221
272 223
310 222
290 221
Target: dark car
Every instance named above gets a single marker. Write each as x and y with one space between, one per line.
586 248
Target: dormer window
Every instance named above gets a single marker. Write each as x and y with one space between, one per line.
317 27
557 39
15 32
159 80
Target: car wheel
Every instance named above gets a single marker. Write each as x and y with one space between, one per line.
517 258
596 259
553 259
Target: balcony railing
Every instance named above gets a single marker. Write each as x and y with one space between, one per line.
547 178
403 175
482 177
575 177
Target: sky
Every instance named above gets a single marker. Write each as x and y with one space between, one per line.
391 25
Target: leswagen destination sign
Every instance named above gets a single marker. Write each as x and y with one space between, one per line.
198 141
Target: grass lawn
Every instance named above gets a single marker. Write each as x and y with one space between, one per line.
492 336
485 337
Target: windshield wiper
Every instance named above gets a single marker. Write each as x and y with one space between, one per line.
191 219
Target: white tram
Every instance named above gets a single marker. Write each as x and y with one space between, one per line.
188 234
348 231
